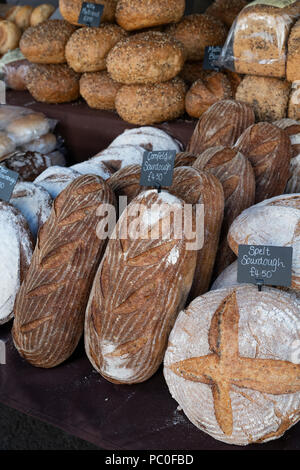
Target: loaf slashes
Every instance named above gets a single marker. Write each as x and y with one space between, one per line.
139 288
50 306
275 222
229 364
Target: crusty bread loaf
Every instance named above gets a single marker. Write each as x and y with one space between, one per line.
41 13
236 175
138 14
293 129
10 36
196 32
99 90
49 309
269 150
55 179
27 164
7 146
150 138
230 364
137 293
96 44
92 167
267 106
192 71
126 182
145 58
185 159
15 254
149 104
260 39
23 15
293 52
46 42
55 83
120 156
221 125
207 91
70 10
226 10
294 102
15 74
275 221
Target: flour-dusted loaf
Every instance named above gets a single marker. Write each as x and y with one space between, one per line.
29 165
269 150
92 167
50 306
126 182
222 124
231 364
150 138
275 222
56 178
140 287
16 249
34 202
292 127
236 175
116 157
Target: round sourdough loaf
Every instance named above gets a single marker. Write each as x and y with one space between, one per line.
145 58
99 90
28 164
232 364
87 48
9 36
41 13
7 145
46 42
117 157
138 14
55 179
93 167
196 32
16 249
70 10
150 104
150 138
53 83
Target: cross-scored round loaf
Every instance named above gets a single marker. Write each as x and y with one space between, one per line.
232 364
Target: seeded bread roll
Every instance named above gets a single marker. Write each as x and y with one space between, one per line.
226 10
145 58
196 32
150 104
99 90
267 106
192 71
23 15
46 42
70 10
9 36
41 13
87 48
207 91
138 14
53 83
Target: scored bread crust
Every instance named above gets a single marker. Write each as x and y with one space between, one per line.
137 293
229 364
50 306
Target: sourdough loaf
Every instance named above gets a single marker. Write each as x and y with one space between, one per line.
293 129
126 182
150 138
29 165
49 309
99 90
293 48
56 178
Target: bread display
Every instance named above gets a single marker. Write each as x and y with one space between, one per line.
226 10
15 254
267 106
145 58
185 159
55 83
138 14
196 32
293 130
9 36
70 10
41 13
146 289
192 71
293 54
272 222
99 90
229 364
15 74
236 175
87 48
34 203
46 330
207 91
269 150
148 104
55 179
150 138
260 38
221 125
46 42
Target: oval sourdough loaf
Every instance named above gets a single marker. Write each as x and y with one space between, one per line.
269 150
229 364
293 129
29 165
50 307
236 175
150 138
221 125
185 159
275 222
140 287
55 179
16 249
126 182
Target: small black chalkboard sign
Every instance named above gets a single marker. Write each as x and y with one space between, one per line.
262 264
8 180
211 56
90 14
157 168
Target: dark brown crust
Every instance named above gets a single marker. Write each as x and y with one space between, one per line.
226 10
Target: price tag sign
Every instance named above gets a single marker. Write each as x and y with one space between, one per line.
211 57
90 14
157 168
262 264
8 180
